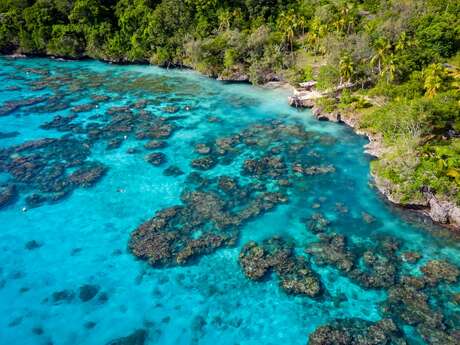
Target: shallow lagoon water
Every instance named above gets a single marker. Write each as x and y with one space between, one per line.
83 238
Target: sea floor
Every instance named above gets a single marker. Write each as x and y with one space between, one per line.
67 275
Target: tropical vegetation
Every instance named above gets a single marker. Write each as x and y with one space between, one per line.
399 58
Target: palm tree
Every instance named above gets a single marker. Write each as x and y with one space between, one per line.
382 46
347 15
316 31
402 42
301 24
224 17
435 74
390 67
287 22
346 67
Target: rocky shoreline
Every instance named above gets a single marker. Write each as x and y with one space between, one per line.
442 212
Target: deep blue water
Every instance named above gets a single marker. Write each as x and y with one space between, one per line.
83 237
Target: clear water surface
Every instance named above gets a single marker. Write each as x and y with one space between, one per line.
83 238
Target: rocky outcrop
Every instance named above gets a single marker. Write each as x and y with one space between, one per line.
443 212
236 74
304 98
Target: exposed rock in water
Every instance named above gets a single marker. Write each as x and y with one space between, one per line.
443 212
440 211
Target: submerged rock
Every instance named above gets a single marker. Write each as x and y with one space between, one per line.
88 174
209 218
317 223
156 158
155 144
438 271
31 245
268 166
319 170
8 195
83 108
298 278
35 200
173 171
333 250
411 257
88 292
204 163
357 331
294 273
59 122
6 135
202 149
138 337
62 296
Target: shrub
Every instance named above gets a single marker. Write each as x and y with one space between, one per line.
328 77
67 41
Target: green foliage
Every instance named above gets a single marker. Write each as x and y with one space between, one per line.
307 73
67 41
9 30
328 77
230 57
327 104
394 43
435 79
36 33
87 12
410 89
346 97
439 32
395 49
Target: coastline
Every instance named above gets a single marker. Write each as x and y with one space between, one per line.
444 213
441 212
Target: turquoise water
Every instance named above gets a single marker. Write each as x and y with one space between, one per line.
82 236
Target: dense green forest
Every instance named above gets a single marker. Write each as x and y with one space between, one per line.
401 56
